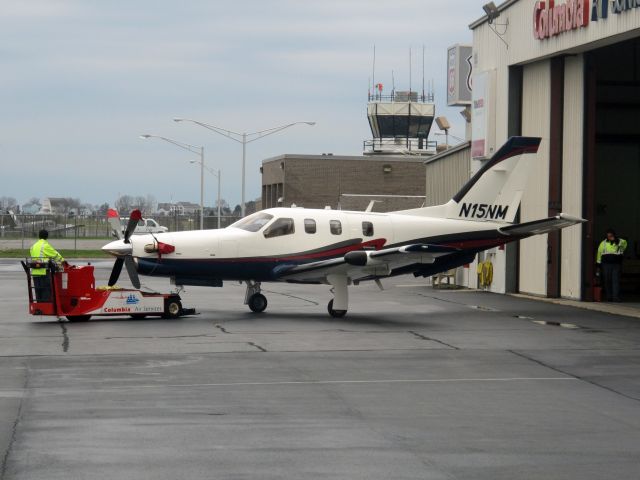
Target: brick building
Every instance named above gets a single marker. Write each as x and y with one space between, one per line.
347 182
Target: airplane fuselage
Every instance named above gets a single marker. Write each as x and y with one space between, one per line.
246 251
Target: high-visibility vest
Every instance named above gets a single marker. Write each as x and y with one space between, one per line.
611 248
42 250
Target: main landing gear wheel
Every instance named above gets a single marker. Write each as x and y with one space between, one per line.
335 313
172 308
257 303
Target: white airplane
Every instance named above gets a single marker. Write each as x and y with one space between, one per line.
340 248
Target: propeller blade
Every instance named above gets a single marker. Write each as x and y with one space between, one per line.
115 272
132 270
134 218
114 220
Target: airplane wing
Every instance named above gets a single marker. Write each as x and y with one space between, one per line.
365 263
538 227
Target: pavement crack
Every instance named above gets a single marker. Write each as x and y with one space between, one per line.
65 336
259 347
424 337
222 329
14 427
291 296
577 377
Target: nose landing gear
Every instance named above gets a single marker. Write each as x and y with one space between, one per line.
339 305
335 313
254 299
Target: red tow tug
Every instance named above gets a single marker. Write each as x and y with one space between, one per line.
73 294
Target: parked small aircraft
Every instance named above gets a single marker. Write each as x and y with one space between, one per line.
340 248
50 225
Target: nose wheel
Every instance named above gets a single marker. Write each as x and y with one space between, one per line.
338 306
254 299
335 313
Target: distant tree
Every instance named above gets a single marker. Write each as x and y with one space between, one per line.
250 207
124 204
237 211
69 205
32 205
101 210
8 203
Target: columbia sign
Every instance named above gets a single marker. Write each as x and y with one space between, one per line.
550 19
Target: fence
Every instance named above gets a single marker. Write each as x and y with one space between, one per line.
95 226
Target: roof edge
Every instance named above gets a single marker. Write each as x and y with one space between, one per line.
449 151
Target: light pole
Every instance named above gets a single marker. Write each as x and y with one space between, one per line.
218 175
243 138
193 149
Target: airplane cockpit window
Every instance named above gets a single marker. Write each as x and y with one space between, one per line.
282 226
336 227
254 222
367 229
309 225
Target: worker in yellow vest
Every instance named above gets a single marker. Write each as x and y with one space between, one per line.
609 260
43 251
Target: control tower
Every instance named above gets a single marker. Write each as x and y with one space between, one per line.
400 123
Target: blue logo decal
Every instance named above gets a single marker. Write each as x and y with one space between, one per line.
132 299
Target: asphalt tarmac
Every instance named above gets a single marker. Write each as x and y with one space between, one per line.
413 383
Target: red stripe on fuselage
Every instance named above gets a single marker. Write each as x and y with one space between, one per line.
377 244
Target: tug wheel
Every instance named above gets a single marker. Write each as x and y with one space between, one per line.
172 308
257 303
335 313
78 318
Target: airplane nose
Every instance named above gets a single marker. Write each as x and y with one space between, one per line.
118 248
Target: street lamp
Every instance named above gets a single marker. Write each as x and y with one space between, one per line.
193 149
218 175
243 138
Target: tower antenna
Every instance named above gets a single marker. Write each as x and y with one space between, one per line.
393 85
410 73
373 73
423 99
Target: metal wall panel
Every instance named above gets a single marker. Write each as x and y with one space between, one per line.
536 111
572 177
445 176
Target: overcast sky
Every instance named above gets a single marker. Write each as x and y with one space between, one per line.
82 79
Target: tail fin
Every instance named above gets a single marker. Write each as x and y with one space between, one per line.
495 191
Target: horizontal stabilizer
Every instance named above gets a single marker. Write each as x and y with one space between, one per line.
538 227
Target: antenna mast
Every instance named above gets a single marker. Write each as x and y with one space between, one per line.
423 98
410 73
373 73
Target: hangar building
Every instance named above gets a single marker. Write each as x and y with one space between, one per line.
567 71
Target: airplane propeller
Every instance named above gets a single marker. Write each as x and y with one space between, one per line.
124 255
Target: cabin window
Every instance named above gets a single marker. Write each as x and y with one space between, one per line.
309 225
254 222
367 229
282 226
336 227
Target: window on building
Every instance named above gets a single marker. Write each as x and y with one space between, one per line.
336 227
282 226
309 225
367 229
254 222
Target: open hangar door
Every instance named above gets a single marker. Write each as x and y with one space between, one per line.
612 161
